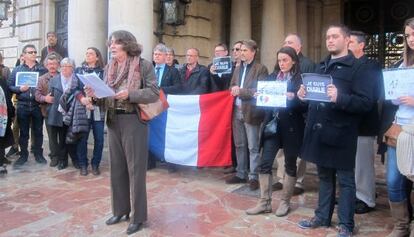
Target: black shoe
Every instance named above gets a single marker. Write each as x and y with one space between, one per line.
115 219
13 151
172 168
298 191
20 161
235 180
361 207
53 162
62 165
132 228
83 170
40 159
76 165
95 170
277 186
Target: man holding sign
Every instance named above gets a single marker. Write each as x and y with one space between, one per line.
331 131
27 107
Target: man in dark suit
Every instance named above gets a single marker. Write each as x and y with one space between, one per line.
368 130
167 76
168 79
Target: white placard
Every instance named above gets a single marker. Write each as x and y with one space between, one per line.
271 93
398 82
27 79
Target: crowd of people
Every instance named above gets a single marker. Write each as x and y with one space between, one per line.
338 134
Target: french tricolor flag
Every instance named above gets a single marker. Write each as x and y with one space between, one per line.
194 131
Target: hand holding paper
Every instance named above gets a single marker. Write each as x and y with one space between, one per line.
100 89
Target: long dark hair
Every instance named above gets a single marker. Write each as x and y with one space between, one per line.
292 54
408 52
100 63
127 40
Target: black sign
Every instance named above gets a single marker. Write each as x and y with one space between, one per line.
223 65
316 86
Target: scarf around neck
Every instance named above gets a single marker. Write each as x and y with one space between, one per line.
130 72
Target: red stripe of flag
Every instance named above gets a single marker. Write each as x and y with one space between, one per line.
214 131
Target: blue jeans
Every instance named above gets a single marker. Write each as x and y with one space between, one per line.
327 190
24 116
398 186
98 136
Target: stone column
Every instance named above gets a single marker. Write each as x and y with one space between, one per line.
136 17
302 24
291 17
273 29
240 22
87 26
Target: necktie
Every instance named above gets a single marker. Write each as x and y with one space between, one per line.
157 73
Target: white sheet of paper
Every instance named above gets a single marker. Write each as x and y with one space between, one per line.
92 80
398 82
271 93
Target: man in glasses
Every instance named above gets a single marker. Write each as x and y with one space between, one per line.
220 81
28 109
53 46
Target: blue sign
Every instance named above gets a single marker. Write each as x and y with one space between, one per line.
316 86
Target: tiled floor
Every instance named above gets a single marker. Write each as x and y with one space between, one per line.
42 201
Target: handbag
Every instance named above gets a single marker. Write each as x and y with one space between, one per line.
270 129
151 110
391 135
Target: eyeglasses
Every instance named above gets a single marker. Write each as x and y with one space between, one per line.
235 49
31 52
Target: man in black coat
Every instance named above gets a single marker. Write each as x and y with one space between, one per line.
220 81
194 78
331 131
52 46
28 110
368 130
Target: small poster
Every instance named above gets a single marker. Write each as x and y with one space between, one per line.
398 82
271 93
316 86
223 65
27 79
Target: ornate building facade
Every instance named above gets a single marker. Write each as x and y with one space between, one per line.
81 24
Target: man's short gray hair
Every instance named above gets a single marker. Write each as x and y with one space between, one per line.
160 47
67 61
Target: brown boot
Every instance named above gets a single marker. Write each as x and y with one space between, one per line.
399 212
287 192
265 202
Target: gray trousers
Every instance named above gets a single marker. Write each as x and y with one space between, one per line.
246 141
128 151
365 170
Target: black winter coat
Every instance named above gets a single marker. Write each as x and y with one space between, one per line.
291 120
198 83
331 129
170 78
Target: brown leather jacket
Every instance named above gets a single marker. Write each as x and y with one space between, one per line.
42 90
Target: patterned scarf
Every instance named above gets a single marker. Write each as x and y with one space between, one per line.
131 73
3 112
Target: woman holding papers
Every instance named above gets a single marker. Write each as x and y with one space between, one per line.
93 64
396 117
289 135
133 80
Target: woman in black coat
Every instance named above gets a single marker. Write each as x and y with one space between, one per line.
289 134
6 140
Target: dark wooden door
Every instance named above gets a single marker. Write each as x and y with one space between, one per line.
382 21
62 22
